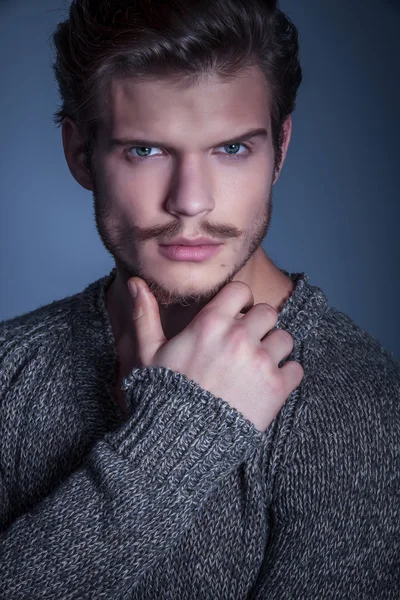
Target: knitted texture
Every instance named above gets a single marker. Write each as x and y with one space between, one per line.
185 499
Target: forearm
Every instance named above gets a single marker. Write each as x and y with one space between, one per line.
110 521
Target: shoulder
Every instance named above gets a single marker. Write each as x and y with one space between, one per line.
46 329
351 382
351 364
39 347
21 337
341 428
32 346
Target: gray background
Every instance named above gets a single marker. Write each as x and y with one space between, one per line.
336 210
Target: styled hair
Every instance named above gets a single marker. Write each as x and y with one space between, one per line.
182 39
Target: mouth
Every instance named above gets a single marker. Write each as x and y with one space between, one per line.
184 252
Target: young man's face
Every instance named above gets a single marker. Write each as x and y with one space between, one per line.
163 169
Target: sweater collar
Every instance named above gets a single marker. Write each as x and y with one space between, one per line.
300 313
304 308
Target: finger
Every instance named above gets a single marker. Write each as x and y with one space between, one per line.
235 297
293 374
147 322
278 345
260 320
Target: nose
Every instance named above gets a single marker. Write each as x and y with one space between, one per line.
190 192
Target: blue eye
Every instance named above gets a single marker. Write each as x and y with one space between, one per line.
233 148
142 151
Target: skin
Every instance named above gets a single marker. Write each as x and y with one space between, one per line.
190 185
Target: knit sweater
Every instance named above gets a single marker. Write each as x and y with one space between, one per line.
185 499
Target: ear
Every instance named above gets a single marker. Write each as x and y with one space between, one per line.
74 151
287 131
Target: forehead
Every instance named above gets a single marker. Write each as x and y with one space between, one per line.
167 107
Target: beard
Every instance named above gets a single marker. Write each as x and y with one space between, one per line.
120 240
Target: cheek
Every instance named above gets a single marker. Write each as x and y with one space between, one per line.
132 185
256 170
115 185
115 178
245 191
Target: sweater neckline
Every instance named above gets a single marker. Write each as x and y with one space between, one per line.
299 314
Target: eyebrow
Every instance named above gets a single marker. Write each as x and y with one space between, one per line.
243 137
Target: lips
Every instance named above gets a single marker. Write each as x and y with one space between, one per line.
193 242
181 252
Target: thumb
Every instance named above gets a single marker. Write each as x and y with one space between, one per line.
147 322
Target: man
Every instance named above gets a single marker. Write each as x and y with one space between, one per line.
162 445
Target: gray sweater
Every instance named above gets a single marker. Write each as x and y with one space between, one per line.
186 499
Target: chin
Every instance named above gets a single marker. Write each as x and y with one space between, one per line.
183 294
191 285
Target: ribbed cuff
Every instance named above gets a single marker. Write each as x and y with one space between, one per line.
181 435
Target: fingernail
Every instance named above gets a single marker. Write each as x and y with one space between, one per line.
133 288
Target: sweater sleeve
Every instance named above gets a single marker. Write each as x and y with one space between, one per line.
335 513
111 520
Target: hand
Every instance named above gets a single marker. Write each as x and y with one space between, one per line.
223 353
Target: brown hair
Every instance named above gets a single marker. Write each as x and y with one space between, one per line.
179 38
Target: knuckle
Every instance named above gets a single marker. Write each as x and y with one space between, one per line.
276 384
138 312
286 337
263 359
294 372
210 322
298 370
268 310
281 336
238 336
